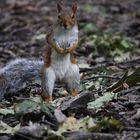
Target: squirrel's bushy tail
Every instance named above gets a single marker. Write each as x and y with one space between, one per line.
16 73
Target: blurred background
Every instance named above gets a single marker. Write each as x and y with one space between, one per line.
109 30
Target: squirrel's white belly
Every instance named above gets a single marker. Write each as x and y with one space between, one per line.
60 64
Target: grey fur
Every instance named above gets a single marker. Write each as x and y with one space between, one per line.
16 73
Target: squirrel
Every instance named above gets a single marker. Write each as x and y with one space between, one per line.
58 66
59 63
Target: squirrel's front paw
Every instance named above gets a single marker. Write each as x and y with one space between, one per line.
66 50
70 50
61 50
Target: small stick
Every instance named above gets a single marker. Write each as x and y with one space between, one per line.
90 135
101 76
131 128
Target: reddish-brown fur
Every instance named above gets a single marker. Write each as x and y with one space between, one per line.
66 17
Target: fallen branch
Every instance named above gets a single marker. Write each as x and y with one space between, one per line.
88 135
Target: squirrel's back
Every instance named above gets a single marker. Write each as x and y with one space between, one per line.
16 73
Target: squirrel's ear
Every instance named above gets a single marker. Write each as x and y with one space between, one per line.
59 7
74 8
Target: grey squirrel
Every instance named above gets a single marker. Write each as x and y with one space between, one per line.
58 66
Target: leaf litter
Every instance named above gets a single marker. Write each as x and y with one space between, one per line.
107 107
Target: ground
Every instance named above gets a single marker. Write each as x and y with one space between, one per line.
109 46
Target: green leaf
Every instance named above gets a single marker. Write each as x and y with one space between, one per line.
112 45
72 124
88 8
134 78
100 102
89 85
119 55
115 123
125 43
52 135
46 109
109 123
7 111
129 81
25 107
118 84
6 129
90 27
32 105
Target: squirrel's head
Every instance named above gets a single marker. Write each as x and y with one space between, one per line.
67 17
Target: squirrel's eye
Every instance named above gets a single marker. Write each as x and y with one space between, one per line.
59 16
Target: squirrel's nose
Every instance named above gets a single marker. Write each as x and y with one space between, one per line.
65 26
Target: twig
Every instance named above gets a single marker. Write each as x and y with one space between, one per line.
131 128
122 65
131 103
23 136
124 92
101 76
48 123
89 135
93 68
130 62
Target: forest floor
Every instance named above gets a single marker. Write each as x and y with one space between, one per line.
108 55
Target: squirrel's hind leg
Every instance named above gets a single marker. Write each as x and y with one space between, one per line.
72 80
48 80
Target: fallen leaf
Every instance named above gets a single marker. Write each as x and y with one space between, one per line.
126 81
7 111
6 129
100 102
34 105
118 84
